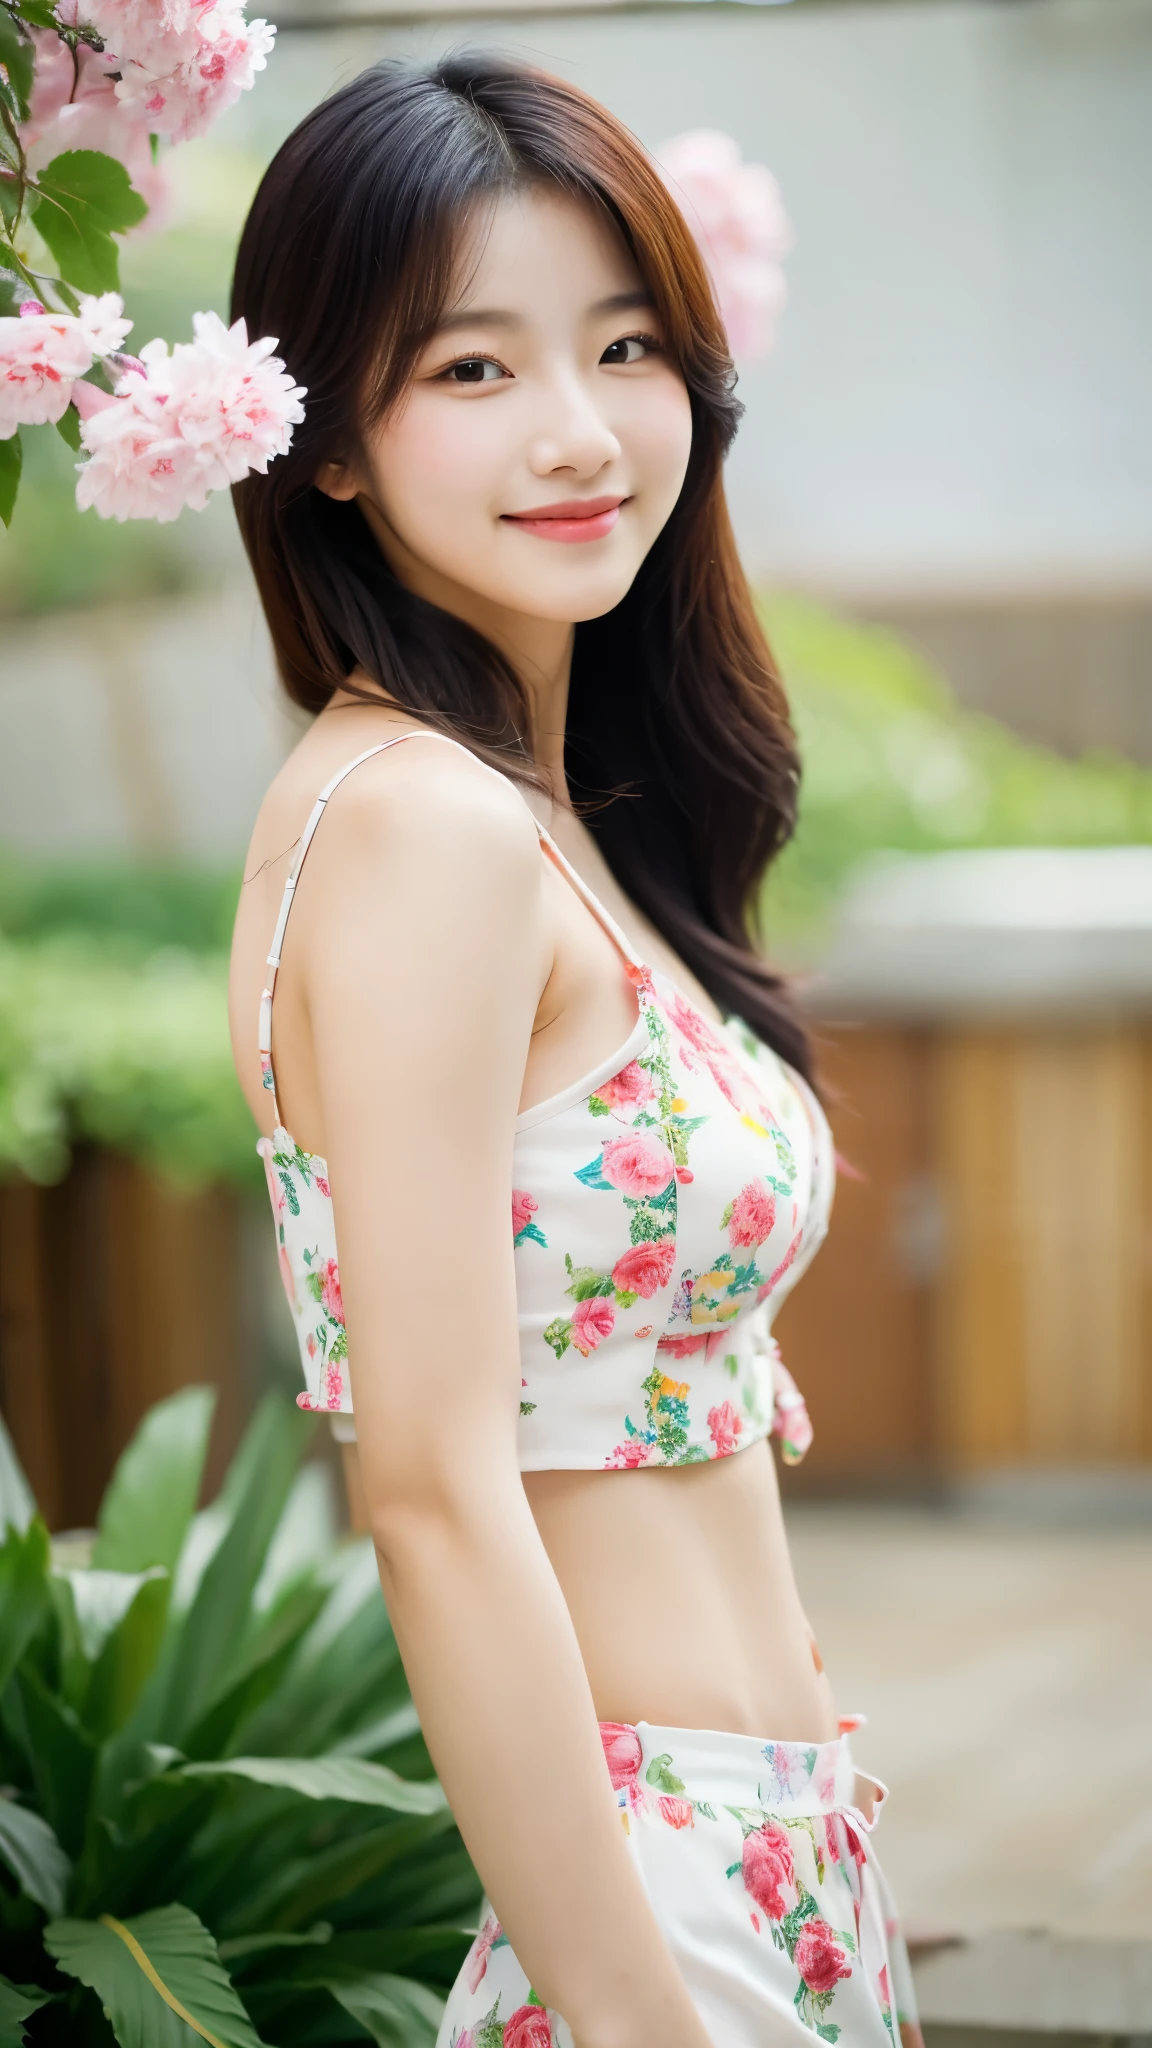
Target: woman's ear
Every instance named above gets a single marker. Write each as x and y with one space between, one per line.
337 480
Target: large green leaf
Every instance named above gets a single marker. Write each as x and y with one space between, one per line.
60 1754
207 1643
16 2002
152 1494
158 1975
346 1778
17 1500
81 200
11 463
396 2012
308 1885
23 1591
34 1856
16 55
128 1657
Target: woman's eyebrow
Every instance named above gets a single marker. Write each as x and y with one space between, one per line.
635 301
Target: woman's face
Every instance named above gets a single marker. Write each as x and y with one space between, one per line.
545 436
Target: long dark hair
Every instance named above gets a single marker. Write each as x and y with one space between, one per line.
678 746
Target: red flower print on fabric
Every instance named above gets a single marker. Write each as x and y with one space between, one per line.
646 1269
592 1321
638 1165
678 1813
524 1208
476 1961
767 1864
631 1088
529 2027
330 1292
726 1428
752 1216
819 1957
623 1753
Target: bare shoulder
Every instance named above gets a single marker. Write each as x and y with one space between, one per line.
430 798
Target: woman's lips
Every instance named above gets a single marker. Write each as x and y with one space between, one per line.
575 519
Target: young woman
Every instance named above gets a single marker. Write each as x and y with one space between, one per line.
553 760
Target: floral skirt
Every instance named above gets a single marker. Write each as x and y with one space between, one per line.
756 1858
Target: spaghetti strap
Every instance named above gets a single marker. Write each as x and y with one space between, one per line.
636 968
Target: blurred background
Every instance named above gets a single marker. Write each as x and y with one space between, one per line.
941 489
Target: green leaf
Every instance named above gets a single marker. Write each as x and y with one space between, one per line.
396 2012
11 462
348 1778
59 1752
661 1777
17 55
68 427
16 2002
128 1658
39 13
34 1856
17 1500
152 1493
201 2000
80 202
23 1591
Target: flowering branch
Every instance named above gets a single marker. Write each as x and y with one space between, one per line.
737 218
88 89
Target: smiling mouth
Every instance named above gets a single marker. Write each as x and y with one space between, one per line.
575 519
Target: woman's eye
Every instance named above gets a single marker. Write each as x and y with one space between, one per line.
473 370
631 348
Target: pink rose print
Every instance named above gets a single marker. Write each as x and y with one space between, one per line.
775 1278
819 1957
322 1187
638 1165
330 1293
767 1865
630 1455
751 1217
529 2027
690 1024
676 1812
726 1426
631 1088
524 1208
592 1321
645 1269
476 1961
333 1386
623 1753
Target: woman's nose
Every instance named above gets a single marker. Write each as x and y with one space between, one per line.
571 433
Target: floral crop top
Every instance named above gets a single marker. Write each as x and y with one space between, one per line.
662 1207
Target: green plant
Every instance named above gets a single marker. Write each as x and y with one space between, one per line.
215 1797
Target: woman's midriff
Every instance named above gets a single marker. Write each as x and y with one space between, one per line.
680 1588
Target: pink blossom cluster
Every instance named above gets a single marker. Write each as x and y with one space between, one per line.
43 354
182 63
184 424
77 108
738 220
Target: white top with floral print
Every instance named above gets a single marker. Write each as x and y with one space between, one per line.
662 1208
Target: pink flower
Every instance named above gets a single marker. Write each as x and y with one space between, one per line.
637 1165
726 1428
791 1422
183 63
691 1025
322 1187
630 1455
819 1957
187 424
592 1321
529 2027
476 1961
287 1277
43 354
706 1341
767 1865
330 1293
775 1278
78 109
631 1088
737 217
623 1753
524 1208
645 1269
677 1813
752 1215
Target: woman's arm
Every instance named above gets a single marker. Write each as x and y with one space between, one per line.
425 949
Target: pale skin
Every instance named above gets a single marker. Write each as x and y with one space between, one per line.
440 975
